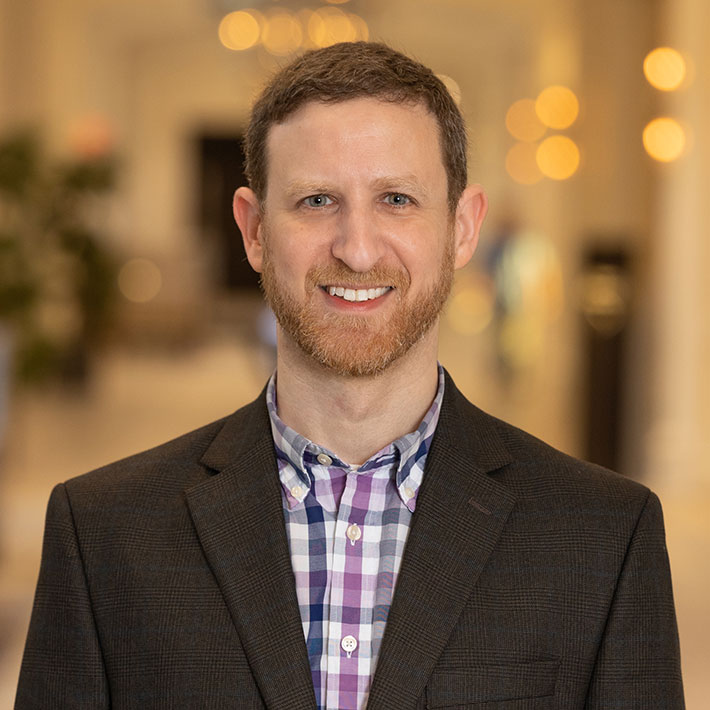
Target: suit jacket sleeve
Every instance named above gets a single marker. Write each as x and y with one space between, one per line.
62 666
638 664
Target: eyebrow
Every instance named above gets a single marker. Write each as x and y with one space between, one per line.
301 187
401 183
394 183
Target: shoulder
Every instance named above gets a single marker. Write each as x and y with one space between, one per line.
173 462
167 469
536 466
535 472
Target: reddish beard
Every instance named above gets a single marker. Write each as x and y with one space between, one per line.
357 345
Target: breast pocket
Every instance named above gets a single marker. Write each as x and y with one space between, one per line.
518 685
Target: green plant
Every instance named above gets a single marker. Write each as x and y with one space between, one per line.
56 277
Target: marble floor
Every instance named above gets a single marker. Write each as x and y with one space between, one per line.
138 400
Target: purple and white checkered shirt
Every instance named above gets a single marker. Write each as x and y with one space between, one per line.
347 528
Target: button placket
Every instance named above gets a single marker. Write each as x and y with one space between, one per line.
349 533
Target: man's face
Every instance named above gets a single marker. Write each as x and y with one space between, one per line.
357 245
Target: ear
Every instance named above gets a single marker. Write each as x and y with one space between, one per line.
247 215
470 213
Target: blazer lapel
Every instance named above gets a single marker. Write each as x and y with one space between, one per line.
239 520
460 514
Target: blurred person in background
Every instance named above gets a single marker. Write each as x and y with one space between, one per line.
361 535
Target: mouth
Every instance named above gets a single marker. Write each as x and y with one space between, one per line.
357 295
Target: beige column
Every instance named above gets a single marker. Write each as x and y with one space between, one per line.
678 439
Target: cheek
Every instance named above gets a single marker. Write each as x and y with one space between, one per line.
424 251
288 266
300 245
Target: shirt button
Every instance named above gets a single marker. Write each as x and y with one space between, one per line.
408 492
348 644
297 491
324 459
354 533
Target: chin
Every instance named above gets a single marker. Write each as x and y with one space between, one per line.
359 351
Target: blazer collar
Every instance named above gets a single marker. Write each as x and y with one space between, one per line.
239 520
461 512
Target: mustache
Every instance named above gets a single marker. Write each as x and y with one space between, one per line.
335 274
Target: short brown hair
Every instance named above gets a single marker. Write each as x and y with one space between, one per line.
350 70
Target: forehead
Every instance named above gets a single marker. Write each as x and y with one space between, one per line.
358 137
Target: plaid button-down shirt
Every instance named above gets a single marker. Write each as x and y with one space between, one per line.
347 528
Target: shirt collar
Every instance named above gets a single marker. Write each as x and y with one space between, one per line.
407 454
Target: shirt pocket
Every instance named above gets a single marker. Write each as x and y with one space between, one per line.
488 683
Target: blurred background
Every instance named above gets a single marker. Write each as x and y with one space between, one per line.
128 314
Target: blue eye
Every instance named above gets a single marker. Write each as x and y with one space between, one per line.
397 199
317 201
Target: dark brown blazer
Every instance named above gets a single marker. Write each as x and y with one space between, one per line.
530 580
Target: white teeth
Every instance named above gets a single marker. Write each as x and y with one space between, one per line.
360 294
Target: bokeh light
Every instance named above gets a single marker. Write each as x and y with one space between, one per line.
521 164
240 30
557 107
664 139
282 33
522 121
470 309
140 280
362 31
664 68
452 87
558 157
330 25
92 136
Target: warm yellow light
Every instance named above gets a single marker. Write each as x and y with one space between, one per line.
664 139
337 2
452 87
664 68
282 33
557 107
240 30
521 164
362 31
521 341
303 17
330 25
470 309
558 157
522 121
140 280
92 136
316 29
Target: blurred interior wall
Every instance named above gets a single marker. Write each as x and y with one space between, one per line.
155 72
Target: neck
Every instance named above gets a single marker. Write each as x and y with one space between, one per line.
355 417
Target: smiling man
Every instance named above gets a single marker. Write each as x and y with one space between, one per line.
360 535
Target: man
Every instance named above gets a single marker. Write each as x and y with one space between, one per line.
360 535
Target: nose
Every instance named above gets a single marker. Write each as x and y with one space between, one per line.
358 243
